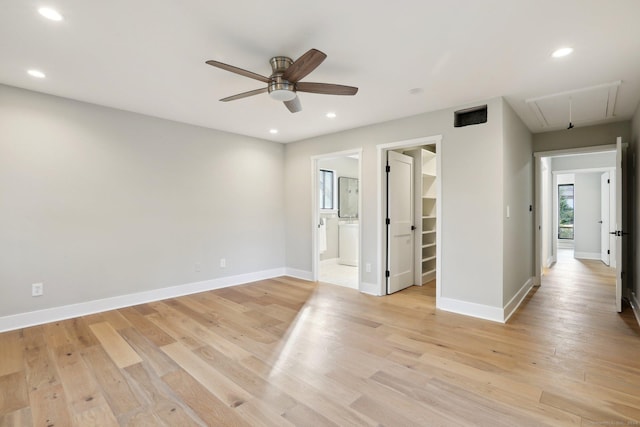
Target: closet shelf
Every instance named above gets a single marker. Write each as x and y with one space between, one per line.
429 197
427 273
428 245
429 258
428 231
428 217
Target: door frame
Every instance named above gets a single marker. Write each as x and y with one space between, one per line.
605 226
538 192
315 214
381 150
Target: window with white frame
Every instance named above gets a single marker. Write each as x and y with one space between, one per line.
326 179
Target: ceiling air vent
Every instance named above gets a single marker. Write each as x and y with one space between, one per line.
470 116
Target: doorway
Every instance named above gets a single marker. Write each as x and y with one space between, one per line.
336 218
409 213
579 211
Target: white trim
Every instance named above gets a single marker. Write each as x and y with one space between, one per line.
575 151
538 217
487 312
381 149
583 170
38 317
299 274
587 255
517 299
550 261
370 288
635 305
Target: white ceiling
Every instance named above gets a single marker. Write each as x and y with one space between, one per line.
149 56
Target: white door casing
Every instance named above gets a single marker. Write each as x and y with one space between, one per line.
604 217
400 236
618 228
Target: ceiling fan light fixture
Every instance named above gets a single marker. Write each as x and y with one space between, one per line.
282 94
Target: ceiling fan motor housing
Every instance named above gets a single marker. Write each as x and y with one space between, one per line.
279 88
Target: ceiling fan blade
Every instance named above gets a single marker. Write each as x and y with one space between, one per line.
238 71
244 94
294 105
326 88
304 65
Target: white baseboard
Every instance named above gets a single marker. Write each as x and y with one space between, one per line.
299 274
587 255
635 305
481 311
370 288
550 261
31 318
517 299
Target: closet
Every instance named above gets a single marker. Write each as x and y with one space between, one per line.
425 174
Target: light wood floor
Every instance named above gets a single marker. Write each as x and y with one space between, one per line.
288 352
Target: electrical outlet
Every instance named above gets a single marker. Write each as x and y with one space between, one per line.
223 263
367 267
37 289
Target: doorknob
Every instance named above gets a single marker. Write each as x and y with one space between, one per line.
600 222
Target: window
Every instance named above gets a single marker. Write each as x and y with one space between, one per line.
565 211
326 189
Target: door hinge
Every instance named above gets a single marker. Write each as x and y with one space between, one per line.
388 168
413 227
387 273
608 252
608 181
621 275
388 221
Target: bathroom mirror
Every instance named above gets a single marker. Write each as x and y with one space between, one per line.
347 197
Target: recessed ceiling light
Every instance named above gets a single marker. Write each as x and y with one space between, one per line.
273 131
49 13
37 74
331 115
563 51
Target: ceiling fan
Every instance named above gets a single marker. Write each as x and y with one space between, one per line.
284 81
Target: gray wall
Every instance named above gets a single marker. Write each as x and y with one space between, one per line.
97 202
587 213
518 195
472 181
585 161
587 136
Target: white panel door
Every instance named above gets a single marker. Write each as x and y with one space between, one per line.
400 213
619 231
604 217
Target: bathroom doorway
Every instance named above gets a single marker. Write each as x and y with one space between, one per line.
336 218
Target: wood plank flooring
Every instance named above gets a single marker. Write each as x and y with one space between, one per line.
286 352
